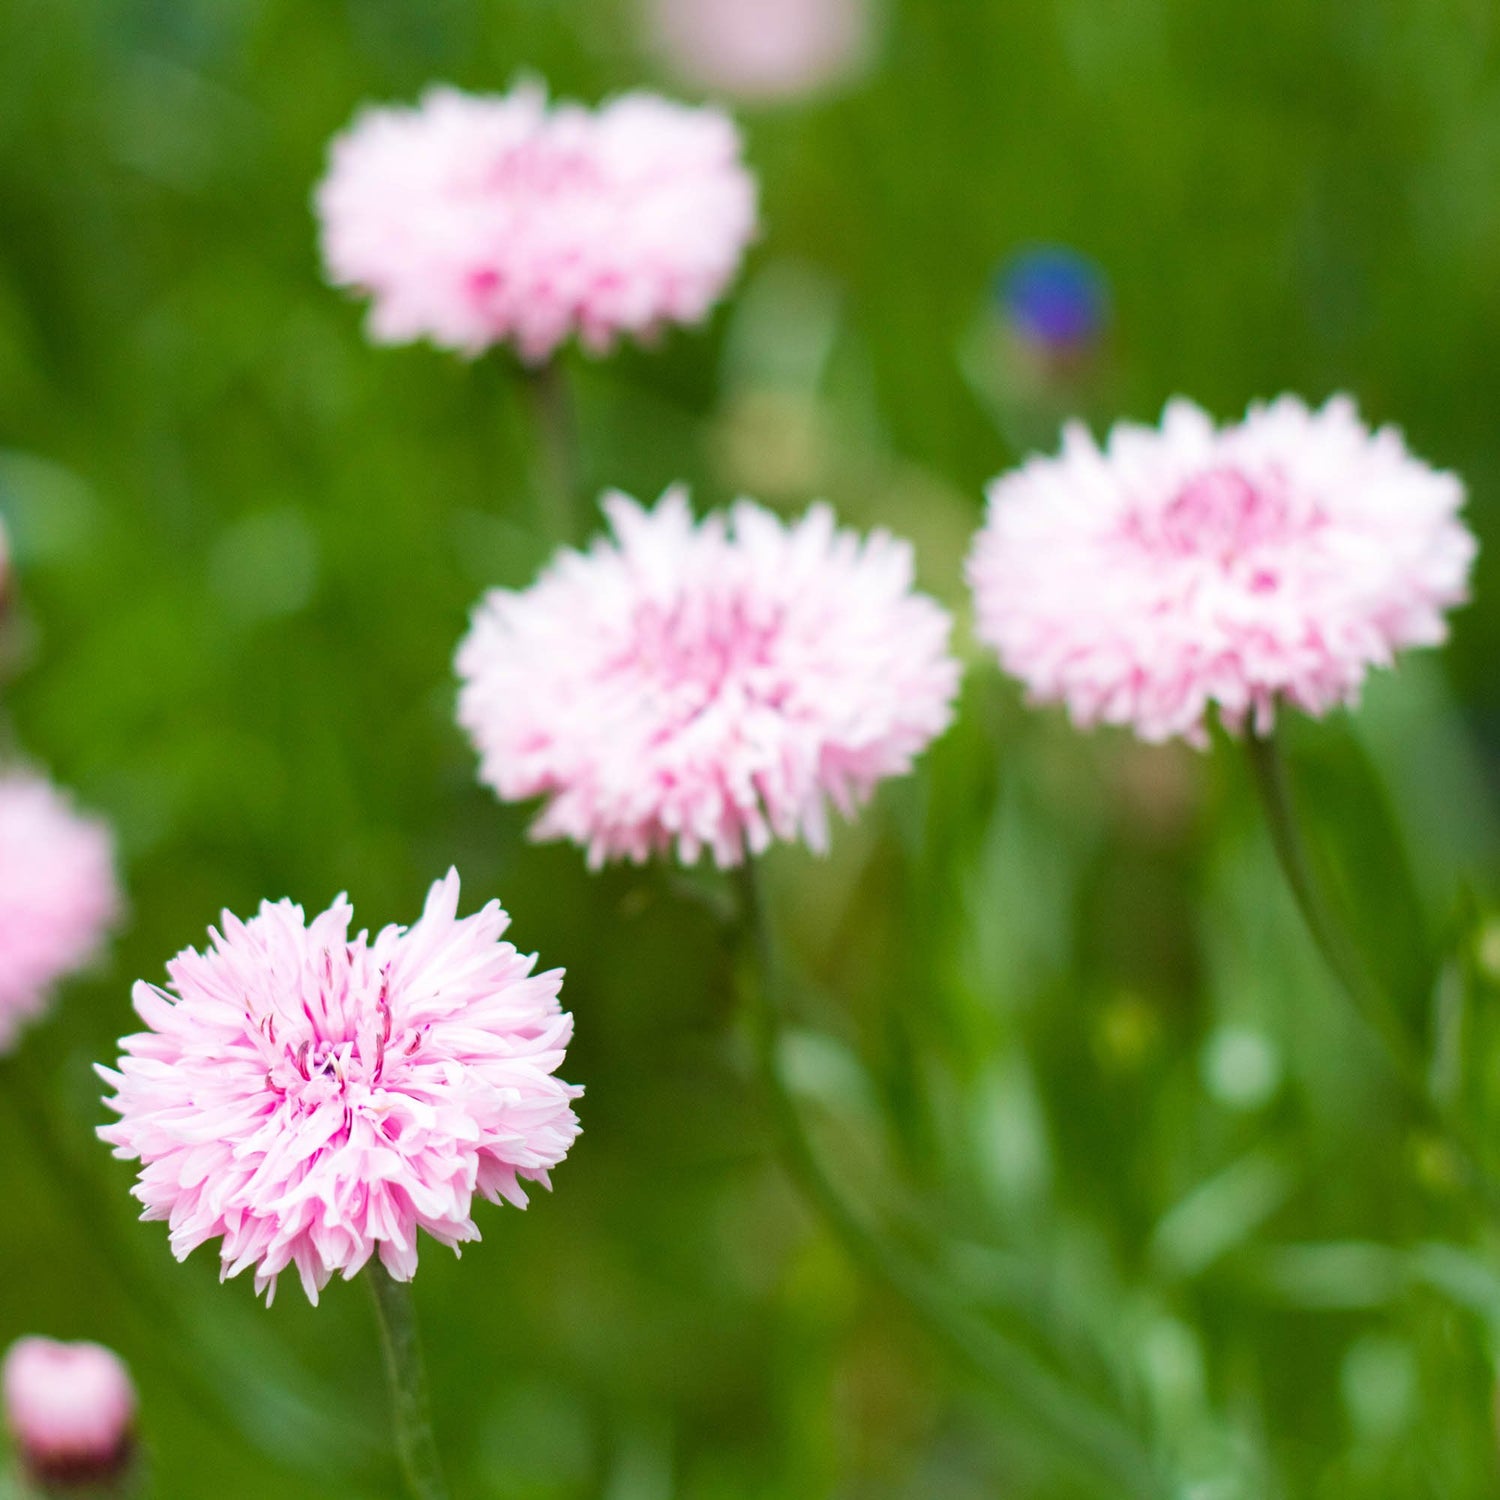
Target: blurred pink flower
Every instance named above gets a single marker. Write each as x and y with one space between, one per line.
771 49
473 221
706 686
315 1099
58 895
1276 560
70 1409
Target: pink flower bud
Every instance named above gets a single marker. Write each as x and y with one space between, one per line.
70 1409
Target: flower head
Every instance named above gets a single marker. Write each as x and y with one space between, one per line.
58 895
708 686
70 1409
315 1098
773 49
479 220
1275 561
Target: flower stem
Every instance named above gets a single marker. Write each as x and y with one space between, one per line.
1341 954
1327 930
1116 1460
407 1376
557 446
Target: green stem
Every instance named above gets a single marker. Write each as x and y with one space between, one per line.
1341 954
557 445
407 1376
1116 1460
1328 932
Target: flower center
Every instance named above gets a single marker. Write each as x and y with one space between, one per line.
1221 515
336 1043
698 649
539 168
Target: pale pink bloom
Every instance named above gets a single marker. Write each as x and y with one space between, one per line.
479 220
316 1098
705 686
58 895
768 49
70 1409
1270 562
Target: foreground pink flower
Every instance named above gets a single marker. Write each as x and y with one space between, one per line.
70 1409
1272 562
707 686
773 49
58 895
474 221
315 1098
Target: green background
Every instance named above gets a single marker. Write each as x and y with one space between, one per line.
1060 1022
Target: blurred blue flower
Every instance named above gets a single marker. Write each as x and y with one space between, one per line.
1054 297
1038 350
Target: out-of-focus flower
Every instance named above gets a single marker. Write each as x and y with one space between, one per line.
1274 561
706 686
58 894
479 220
769 49
70 1409
316 1098
1054 299
1038 351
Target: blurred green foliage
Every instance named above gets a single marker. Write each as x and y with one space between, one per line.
1060 1027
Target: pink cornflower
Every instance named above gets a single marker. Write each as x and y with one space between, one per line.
772 49
70 1409
705 686
315 1098
1271 562
58 895
479 220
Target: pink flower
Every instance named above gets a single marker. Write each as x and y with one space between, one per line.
58 895
1275 561
70 1409
473 221
315 1099
772 49
705 686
